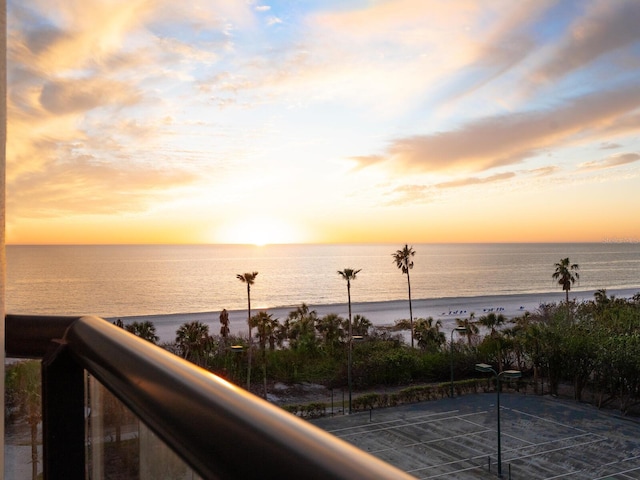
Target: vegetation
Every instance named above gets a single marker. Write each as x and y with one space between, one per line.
23 402
594 352
145 330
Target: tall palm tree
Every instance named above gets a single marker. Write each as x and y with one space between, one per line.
566 274
249 279
404 262
349 274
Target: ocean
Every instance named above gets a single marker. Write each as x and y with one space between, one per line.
141 280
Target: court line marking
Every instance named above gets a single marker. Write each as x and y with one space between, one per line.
521 457
364 430
428 442
538 417
403 421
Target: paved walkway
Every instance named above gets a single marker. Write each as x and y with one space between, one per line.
542 438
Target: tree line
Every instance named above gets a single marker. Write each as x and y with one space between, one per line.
592 345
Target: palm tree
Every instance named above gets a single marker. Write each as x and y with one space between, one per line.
566 274
145 330
430 338
300 328
249 279
361 325
492 322
349 274
471 329
601 297
404 263
496 339
193 341
331 329
266 325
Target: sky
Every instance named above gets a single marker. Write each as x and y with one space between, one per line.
323 121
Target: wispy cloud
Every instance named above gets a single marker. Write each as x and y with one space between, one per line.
464 182
544 171
612 161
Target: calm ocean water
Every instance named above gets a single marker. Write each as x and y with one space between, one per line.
128 280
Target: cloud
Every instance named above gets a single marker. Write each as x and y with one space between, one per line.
273 20
409 194
87 185
608 26
611 161
464 182
491 142
64 96
544 171
368 160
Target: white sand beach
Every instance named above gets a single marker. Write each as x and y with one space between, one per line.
383 313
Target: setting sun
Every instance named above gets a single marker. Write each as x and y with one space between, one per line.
257 231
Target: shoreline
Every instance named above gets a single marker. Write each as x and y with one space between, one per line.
380 313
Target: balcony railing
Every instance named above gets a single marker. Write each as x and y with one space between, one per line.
217 428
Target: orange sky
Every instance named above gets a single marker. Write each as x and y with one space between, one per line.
413 121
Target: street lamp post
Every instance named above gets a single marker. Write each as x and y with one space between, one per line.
236 349
509 374
458 329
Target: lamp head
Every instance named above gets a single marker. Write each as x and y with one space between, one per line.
484 367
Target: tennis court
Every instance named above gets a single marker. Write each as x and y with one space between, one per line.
542 438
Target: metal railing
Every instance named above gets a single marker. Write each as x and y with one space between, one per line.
217 428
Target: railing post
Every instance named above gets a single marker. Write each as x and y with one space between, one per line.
63 435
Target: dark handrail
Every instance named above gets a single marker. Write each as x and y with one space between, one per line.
29 336
219 429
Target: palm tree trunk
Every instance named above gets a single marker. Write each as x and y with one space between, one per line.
250 342
350 359
410 308
264 368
